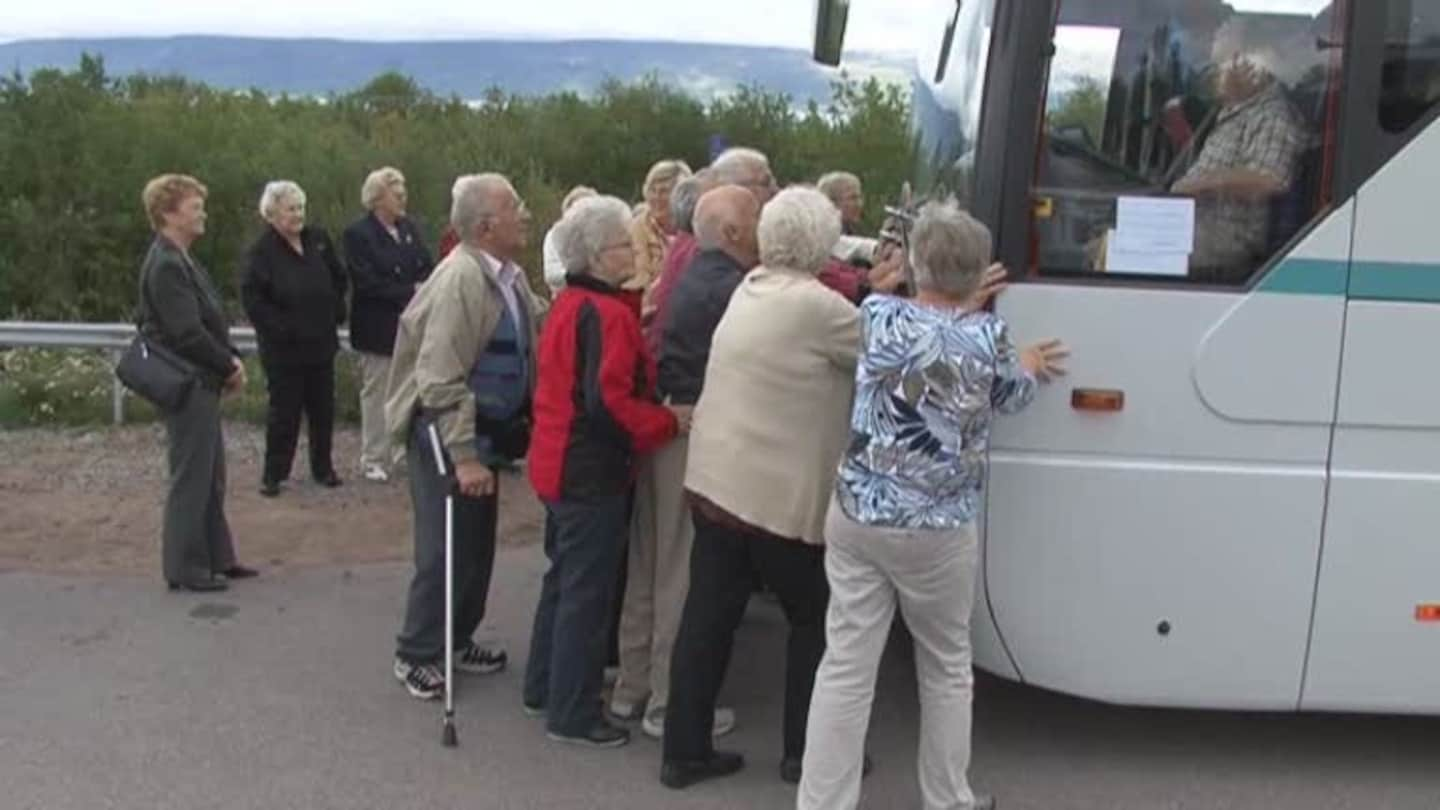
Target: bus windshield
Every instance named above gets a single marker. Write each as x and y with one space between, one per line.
949 91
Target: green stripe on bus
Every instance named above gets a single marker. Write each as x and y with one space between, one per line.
1306 277
1367 281
1395 281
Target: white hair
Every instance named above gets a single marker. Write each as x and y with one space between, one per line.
275 193
738 164
590 226
797 230
835 184
474 199
377 183
949 249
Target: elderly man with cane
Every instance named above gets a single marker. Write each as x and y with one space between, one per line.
463 373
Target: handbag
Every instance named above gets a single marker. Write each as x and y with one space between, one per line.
158 375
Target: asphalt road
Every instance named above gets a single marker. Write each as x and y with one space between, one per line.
278 694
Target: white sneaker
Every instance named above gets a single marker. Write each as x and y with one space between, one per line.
625 711
654 725
376 473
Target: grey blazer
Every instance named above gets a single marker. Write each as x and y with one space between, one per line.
181 310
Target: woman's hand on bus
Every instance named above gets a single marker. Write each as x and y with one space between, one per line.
992 284
1046 359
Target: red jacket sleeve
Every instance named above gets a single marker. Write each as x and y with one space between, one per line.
842 278
648 424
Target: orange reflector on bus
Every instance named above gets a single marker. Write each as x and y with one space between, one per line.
1097 399
1427 613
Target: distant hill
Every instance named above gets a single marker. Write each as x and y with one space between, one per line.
463 68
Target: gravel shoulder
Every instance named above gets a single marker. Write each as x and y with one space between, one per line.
88 502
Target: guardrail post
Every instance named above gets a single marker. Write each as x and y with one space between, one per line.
117 393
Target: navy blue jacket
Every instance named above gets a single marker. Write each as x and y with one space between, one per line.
383 275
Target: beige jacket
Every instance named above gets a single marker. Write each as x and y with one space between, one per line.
442 332
773 419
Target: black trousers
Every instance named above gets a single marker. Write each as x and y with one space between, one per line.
422 636
724 564
297 389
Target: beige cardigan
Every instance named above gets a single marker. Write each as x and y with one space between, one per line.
773 419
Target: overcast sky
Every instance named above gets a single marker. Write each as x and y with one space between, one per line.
874 24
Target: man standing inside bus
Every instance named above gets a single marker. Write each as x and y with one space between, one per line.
1250 158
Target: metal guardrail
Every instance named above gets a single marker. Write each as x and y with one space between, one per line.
110 337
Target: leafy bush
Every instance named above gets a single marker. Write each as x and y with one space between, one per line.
55 388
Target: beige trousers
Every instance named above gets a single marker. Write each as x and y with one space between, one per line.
931 575
658 578
374 438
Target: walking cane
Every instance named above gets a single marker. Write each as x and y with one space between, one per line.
448 738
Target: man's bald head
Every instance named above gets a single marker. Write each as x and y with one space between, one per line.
726 219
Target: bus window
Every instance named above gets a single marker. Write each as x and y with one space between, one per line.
1222 104
1410 75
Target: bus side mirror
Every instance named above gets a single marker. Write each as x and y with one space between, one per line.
830 19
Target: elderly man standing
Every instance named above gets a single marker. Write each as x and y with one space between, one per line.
464 363
770 428
661 530
843 189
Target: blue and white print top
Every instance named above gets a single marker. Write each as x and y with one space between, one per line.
927 386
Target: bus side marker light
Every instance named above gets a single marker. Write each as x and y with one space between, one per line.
1427 612
1097 399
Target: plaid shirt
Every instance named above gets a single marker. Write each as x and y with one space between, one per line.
1262 134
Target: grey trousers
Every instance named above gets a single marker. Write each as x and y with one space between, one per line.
422 638
197 540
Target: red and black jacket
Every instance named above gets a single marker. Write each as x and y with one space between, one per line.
595 405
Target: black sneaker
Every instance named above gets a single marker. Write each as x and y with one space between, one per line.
422 681
477 660
680 774
601 735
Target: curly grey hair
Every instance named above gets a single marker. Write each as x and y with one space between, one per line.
377 183
590 226
797 230
276 192
949 249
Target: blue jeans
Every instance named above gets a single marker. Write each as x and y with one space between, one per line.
565 673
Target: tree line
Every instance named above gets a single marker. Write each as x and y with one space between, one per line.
77 146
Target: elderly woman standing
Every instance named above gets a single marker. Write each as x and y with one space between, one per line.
770 427
595 411
901 527
550 248
181 310
650 232
294 295
843 189
388 261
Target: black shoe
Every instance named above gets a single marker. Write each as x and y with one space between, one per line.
536 709
238 571
984 803
330 479
200 585
601 735
790 768
269 488
681 774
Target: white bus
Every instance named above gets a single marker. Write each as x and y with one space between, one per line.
1233 500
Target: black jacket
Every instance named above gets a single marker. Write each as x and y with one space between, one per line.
293 300
383 274
181 310
695 308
